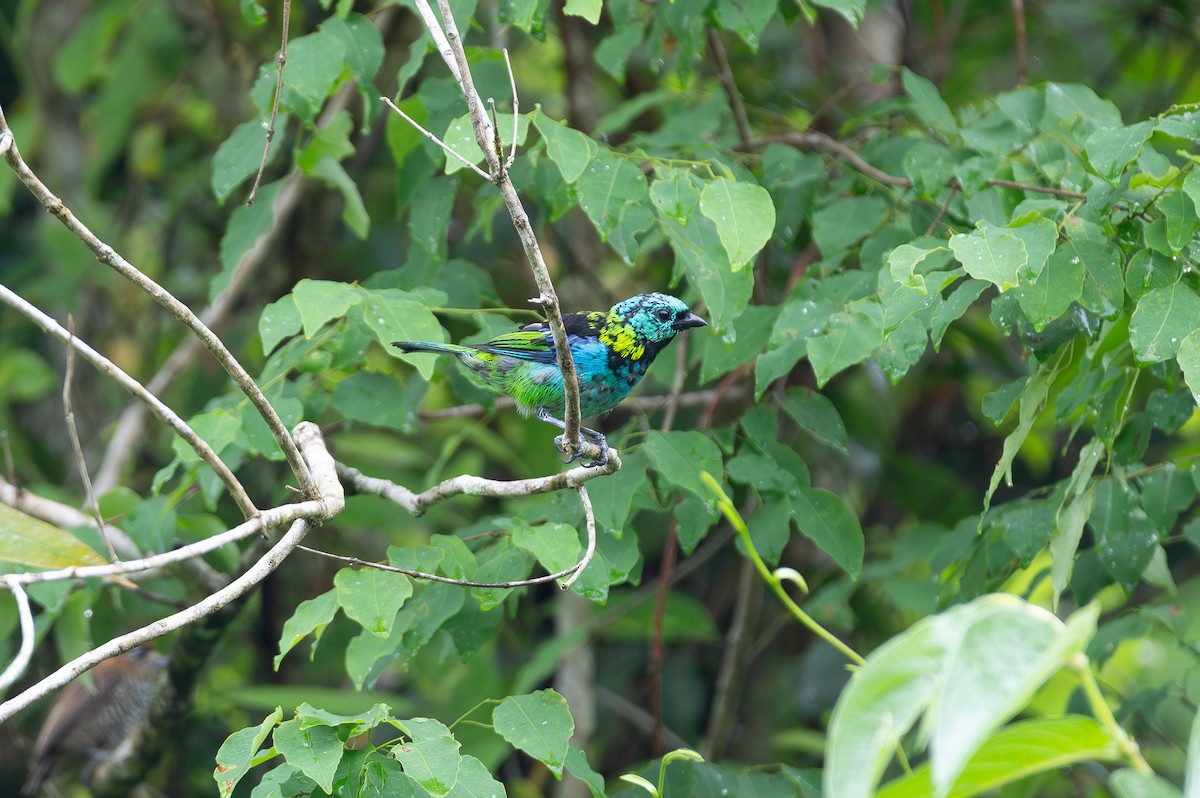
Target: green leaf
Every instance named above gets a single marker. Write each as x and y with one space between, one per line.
310 617
354 213
570 150
969 668
320 301
556 546
1162 319
239 156
698 249
849 337
991 253
904 260
1111 149
1189 361
577 766
1103 290
330 141
372 597
235 757
395 315
1125 536
852 10
743 214
1017 752
823 518
815 414
1130 783
1179 213
844 223
314 65
25 540
1191 776
363 43
610 189
1072 515
746 18
928 103
315 750
588 9
1032 402
279 320
680 456
1059 285
539 724
431 757
373 398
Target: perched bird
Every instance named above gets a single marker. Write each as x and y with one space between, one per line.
612 351
88 725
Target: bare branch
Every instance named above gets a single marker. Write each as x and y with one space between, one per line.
156 405
73 434
282 60
17 667
110 257
417 503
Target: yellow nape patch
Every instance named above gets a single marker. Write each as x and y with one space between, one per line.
623 340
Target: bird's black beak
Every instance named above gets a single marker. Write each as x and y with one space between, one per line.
690 320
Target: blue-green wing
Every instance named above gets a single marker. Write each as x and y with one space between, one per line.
534 342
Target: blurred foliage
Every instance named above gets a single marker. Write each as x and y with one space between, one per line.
954 353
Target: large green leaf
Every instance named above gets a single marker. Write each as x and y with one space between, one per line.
1162 319
743 214
539 724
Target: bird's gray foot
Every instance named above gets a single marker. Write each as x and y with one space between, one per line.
559 443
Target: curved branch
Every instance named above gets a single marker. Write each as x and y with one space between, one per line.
25 653
110 257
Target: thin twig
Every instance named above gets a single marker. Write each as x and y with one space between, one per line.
282 60
512 82
725 76
156 405
942 211
111 258
73 434
436 140
17 667
737 655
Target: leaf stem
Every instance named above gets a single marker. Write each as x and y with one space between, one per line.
1103 712
775 580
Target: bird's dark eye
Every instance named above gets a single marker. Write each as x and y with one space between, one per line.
663 315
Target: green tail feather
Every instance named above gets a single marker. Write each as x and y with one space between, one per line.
427 346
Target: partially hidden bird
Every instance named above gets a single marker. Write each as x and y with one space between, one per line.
612 350
87 724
